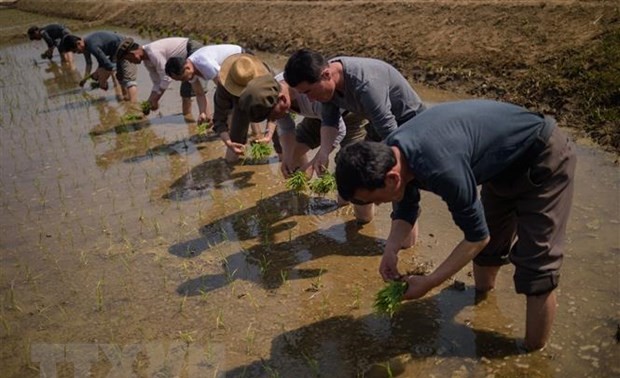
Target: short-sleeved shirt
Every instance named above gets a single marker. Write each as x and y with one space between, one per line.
306 108
103 45
52 33
208 60
453 147
158 53
375 90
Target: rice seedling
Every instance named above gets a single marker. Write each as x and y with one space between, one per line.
94 84
186 337
131 118
146 107
324 184
182 304
297 182
283 276
389 299
203 128
219 320
250 336
99 294
259 151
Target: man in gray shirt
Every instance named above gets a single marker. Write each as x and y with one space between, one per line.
525 165
105 46
369 87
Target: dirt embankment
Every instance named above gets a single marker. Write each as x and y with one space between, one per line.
560 57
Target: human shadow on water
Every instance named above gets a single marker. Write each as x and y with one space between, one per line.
183 146
271 264
207 176
379 346
264 219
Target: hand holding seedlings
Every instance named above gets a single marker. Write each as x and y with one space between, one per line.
389 299
297 182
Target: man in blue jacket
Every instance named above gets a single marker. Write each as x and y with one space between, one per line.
105 46
525 165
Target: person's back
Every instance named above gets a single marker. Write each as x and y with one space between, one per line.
483 136
378 91
208 59
105 41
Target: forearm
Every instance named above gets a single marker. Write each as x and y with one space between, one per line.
462 254
155 96
288 142
201 98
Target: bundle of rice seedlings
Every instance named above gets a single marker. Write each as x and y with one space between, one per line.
324 184
146 107
203 127
94 84
388 299
259 151
131 118
297 181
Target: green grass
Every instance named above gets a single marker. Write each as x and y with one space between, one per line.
388 299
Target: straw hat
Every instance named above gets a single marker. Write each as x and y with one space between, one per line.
238 70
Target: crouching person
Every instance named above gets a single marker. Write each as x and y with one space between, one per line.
526 167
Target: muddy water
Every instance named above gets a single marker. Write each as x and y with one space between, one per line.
138 250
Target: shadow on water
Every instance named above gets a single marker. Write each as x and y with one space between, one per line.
261 220
270 265
177 147
208 175
377 346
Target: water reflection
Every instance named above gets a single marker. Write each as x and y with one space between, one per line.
271 264
346 346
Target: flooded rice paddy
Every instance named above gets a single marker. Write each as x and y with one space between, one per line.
135 250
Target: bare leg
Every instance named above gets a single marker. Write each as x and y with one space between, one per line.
484 277
364 213
256 131
539 319
186 106
132 94
411 239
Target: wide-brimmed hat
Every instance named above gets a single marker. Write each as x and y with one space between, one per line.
259 97
239 69
123 48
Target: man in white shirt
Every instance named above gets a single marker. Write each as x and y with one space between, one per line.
204 63
154 56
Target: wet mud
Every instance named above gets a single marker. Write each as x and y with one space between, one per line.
136 248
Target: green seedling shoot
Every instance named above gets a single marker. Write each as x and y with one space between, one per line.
324 184
389 298
94 84
297 182
146 107
131 118
259 151
203 127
